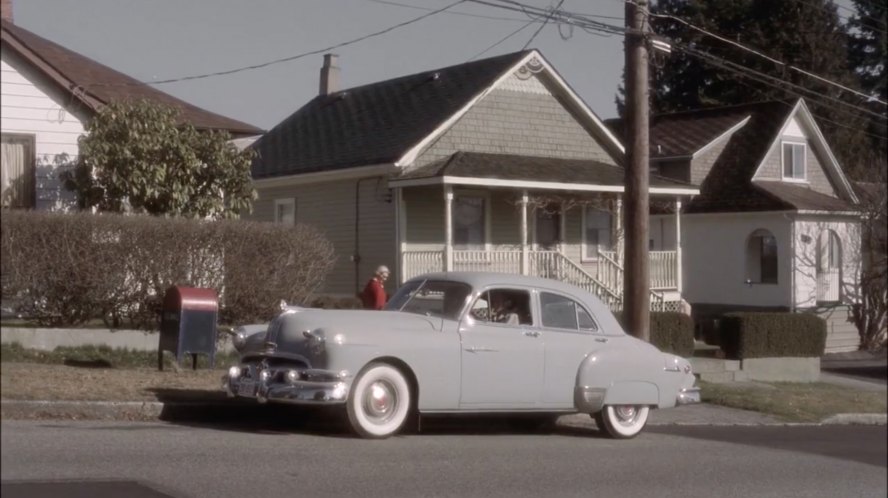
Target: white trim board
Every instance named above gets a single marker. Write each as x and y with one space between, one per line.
324 176
532 185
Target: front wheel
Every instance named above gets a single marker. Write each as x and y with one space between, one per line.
379 401
622 421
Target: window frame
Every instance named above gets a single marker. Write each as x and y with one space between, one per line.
577 306
794 145
756 241
31 144
289 201
584 244
486 219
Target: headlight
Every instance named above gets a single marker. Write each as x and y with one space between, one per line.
293 376
234 372
265 375
240 340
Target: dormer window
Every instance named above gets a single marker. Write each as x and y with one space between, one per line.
793 161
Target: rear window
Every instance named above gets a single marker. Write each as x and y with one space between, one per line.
564 313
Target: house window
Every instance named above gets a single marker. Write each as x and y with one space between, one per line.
547 227
285 211
596 232
469 221
761 258
793 161
17 171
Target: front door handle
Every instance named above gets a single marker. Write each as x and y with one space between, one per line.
532 333
600 339
474 349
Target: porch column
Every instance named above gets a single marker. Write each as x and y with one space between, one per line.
525 261
618 230
448 228
401 228
678 243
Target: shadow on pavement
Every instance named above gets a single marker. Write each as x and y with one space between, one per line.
241 415
873 372
863 444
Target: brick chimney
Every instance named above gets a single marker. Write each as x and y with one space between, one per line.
329 75
6 10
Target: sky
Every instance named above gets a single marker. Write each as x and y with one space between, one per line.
162 39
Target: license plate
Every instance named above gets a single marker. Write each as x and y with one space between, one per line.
247 388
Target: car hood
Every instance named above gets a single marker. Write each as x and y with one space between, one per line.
299 332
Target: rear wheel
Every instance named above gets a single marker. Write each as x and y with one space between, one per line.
379 401
622 421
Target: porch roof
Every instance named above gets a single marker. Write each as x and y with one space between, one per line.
546 173
802 198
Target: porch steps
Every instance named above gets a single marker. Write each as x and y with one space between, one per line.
716 370
841 333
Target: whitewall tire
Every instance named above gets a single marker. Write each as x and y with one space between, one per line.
622 421
379 401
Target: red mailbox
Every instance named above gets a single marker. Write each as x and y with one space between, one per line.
188 324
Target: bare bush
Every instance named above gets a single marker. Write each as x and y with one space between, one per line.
66 269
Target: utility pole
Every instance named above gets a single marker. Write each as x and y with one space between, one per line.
636 288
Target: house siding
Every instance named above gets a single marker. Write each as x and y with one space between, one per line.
815 176
330 207
714 259
808 230
30 105
511 121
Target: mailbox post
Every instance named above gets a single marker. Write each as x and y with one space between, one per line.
188 324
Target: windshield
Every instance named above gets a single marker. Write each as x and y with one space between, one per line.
431 298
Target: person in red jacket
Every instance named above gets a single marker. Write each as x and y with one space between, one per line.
373 296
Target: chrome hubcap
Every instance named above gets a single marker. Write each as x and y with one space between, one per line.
625 413
380 401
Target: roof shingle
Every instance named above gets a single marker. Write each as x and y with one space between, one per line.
373 124
91 81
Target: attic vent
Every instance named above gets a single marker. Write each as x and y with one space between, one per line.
659 149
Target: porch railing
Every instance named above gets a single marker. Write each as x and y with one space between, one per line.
663 269
606 283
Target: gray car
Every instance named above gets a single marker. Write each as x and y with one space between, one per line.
463 343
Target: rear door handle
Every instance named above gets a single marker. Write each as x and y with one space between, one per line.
600 339
532 333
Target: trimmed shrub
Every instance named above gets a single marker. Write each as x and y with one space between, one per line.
671 331
772 335
66 269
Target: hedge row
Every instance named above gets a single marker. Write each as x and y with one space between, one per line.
671 332
771 335
66 269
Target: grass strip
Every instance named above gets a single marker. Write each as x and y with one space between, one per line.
794 402
105 357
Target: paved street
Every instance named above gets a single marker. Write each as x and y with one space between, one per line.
445 460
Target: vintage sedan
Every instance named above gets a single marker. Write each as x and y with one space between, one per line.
463 343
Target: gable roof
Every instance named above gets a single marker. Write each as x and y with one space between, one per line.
94 84
388 122
729 185
681 135
559 173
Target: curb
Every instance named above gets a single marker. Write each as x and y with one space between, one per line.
236 410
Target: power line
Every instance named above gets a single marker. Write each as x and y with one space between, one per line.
292 57
560 2
766 57
766 80
844 18
513 33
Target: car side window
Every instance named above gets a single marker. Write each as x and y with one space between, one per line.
564 313
504 306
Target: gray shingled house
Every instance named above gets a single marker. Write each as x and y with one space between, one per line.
492 165
775 226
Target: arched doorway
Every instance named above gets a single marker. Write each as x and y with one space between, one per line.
829 267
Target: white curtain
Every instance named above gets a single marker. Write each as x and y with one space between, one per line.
15 177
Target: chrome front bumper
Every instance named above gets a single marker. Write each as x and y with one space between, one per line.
688 396
299 386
